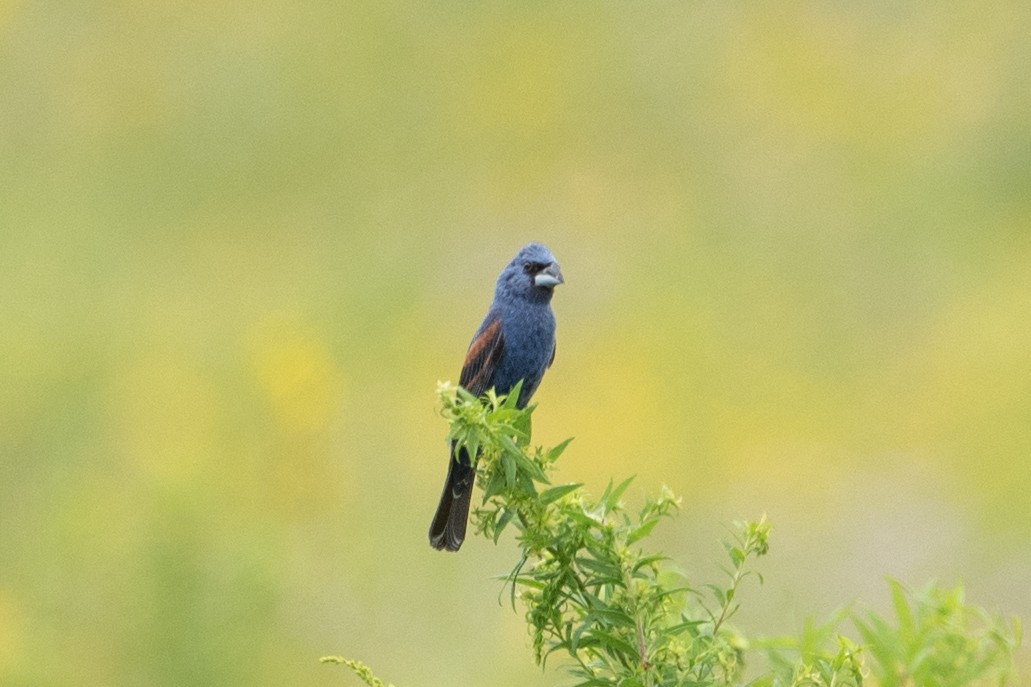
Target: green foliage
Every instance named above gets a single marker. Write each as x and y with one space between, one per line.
818 657
938 640
935 639
622 615
626 617
363 671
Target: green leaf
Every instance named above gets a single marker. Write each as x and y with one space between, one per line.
494 486
555 493
506 517
522 425
902 611
509 446
526 485
686 625
610 616
512 399
649 560
552 455
611 497
605 494
718 593
613 643
472 445
531 468
465 396
641 531
524 581
508 464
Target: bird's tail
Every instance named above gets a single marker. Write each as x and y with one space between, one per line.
447 531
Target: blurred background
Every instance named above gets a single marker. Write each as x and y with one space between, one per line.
240 244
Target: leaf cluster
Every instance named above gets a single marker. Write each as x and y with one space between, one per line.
625 617
933 639
621 615
938 639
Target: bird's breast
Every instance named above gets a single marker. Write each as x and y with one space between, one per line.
529 344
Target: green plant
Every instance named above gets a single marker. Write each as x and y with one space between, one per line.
363 671
938 639
626 617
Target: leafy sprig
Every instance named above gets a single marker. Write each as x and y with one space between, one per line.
620 614
623 616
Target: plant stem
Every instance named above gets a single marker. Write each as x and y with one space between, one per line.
728 599
642 650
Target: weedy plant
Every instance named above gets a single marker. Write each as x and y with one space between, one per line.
623 616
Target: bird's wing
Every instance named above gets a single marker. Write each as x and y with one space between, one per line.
481 362
554 347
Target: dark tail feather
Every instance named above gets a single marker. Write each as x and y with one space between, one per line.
447 531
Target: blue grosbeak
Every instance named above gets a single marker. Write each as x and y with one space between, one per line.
515 342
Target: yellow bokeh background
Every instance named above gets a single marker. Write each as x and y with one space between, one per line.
239 246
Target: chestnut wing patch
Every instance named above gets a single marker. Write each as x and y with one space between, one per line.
481 362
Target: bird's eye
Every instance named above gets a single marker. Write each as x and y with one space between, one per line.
528 267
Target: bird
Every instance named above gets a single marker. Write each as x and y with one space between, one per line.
515 341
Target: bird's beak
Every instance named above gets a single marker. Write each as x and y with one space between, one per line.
549 277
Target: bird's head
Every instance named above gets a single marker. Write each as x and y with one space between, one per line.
533 273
